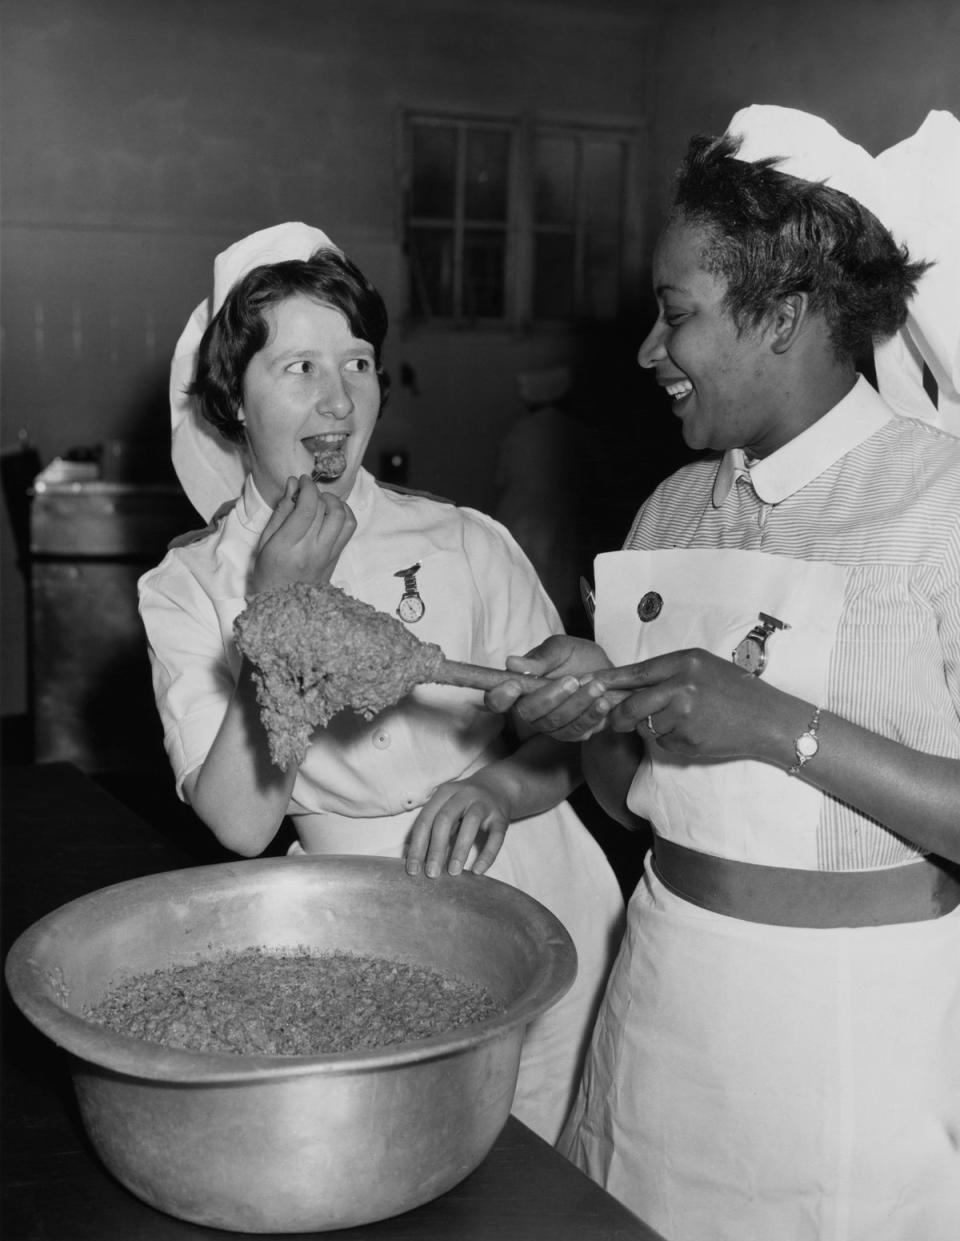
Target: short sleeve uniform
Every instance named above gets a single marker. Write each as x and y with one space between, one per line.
368 779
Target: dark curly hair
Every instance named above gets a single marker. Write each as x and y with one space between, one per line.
239 329
770 234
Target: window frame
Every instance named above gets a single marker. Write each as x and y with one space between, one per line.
580 132
520 226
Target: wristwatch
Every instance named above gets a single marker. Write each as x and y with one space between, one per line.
750 654
807 744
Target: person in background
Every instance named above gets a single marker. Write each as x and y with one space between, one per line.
538 485
276 386
778 1052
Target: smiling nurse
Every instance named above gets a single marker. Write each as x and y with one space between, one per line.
722 384
276 388
778 1053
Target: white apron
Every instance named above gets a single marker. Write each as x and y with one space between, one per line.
749 1082
554 859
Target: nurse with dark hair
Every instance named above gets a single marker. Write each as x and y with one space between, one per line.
277 384
778 1053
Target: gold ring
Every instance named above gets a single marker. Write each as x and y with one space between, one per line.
651 727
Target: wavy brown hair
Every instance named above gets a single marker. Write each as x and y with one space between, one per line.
239 329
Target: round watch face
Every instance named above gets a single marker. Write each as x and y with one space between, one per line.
750 655
807 745
410 608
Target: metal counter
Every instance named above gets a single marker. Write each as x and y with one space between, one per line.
91 699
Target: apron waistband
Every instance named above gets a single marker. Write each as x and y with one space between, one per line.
783 896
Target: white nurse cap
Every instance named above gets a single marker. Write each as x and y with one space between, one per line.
914 190
211 470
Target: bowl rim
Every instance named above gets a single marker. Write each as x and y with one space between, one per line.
132 1057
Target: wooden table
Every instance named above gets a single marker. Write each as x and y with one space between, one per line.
62 837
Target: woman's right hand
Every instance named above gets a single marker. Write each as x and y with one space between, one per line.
571 709
303 539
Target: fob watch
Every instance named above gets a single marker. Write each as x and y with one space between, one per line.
411 607
751 653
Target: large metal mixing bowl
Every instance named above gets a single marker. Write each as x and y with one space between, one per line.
293 1144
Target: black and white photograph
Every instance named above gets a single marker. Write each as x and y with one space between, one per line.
480 611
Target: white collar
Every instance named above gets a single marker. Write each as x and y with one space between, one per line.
852 420
254 512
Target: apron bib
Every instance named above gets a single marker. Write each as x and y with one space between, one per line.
745 810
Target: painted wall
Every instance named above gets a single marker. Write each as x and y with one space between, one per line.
149 136
142 138
872 68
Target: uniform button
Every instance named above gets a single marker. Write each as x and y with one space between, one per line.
381 740
650 606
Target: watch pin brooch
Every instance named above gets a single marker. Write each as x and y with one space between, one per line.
411 606
750 653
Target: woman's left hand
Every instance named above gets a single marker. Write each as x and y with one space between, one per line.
456 814
691 703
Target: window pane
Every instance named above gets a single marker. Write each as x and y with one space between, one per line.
430 256
602 181
485 192
601 283
484 255
433 183
555 166
553 282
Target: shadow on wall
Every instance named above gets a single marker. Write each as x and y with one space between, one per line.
639 436
142 453
624 439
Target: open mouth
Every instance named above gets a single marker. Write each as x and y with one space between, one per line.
679 390
329 459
